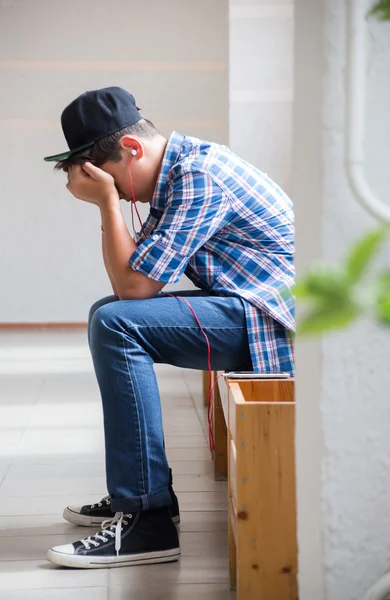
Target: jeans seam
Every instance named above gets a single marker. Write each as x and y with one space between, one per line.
133 380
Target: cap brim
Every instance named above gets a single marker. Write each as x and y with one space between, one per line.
63 155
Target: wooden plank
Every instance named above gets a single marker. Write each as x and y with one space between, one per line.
235 399
266 506
223 392
232 532
266 390
220 439
233 470
232 511
232 556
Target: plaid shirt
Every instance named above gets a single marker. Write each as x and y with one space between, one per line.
230 229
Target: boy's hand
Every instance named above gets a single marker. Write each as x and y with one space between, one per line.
91 184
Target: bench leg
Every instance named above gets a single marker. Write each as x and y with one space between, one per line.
206 383
220 439
232 558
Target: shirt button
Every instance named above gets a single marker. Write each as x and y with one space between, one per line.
155 237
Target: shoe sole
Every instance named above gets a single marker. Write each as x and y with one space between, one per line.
109 562
86 521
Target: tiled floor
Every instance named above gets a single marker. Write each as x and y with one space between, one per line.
51 454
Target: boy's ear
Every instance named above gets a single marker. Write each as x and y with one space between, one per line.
131 144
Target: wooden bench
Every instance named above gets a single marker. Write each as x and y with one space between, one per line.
254 422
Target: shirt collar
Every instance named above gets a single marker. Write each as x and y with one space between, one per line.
171 155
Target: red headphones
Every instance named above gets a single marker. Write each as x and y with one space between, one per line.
210 410
133 198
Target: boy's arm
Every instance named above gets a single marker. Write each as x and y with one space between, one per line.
119 246
107 265
91 184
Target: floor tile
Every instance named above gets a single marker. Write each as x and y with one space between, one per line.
5 465
62 441
46 465
188 454
198 467
10 440
185 441
36 525
204 543
11 416
183 424
70 397
190 569
48 415
212 591
20 390
42 505
202 501
202 520
37 575
31 485
196 483
171 404
25 548
201 413
75 386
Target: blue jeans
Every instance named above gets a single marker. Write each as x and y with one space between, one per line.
126 338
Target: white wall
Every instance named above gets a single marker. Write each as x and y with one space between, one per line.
172 55
260 68
343 442
307 170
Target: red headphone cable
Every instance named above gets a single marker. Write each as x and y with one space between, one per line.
133 200
210 408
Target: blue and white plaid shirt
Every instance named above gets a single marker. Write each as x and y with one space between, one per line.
230 228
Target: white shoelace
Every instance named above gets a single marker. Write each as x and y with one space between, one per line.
110 527
106 499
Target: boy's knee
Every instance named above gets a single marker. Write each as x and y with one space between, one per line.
99 304
102 317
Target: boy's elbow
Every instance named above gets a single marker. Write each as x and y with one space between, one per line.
140 290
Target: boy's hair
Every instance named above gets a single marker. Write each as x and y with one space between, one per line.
108 148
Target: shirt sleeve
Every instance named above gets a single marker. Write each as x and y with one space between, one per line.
196 209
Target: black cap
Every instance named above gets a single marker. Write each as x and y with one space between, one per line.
93 115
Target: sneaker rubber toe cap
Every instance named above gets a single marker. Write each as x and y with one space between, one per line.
68 549
74 509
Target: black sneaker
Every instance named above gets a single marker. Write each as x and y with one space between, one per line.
135 539
90 515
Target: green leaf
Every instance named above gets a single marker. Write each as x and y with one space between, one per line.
383 281
383 308
326 318
383 298
300 290
363 253
327 284
381 10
